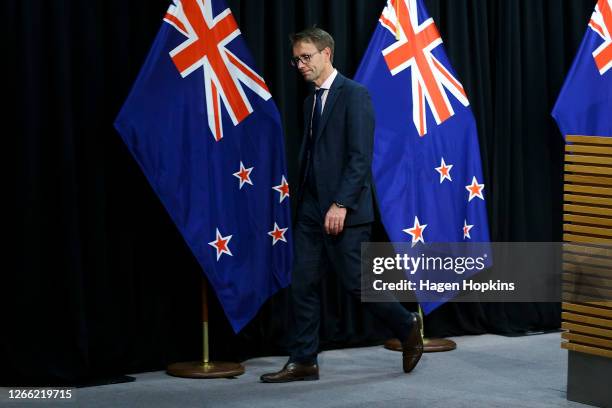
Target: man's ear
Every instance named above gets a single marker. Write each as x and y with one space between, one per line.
327 51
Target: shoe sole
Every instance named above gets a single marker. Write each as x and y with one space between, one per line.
308 378
414 366
417 322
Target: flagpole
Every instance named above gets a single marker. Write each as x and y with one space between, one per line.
205 359
429 345
205 368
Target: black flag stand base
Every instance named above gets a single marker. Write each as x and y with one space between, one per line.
205 368
429 345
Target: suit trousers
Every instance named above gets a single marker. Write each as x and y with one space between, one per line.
314 249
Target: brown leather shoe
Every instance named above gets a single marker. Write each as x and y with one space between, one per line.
293 372
412 347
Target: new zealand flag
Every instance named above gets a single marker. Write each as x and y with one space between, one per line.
201 123
584 106
426 167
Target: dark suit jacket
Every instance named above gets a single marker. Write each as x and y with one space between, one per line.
343 146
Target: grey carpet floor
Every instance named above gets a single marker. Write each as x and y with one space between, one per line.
484 371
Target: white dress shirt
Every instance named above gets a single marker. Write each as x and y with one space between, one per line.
326 85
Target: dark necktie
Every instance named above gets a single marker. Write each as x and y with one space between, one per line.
316 114
314 127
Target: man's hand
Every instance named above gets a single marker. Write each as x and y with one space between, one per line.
334 219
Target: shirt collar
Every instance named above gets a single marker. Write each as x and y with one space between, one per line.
330 79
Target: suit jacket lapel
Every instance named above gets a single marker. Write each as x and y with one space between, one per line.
308 105
332 96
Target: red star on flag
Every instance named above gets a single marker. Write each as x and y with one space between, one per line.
283 189
475 189
466 230
221 244
278 234
444 171
244 175
416 231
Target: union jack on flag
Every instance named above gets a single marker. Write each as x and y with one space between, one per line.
413 49
601 23
585 102
429 189
202 125
205 46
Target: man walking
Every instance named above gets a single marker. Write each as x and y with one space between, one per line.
335 205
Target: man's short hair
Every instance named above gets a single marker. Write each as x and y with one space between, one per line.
320 38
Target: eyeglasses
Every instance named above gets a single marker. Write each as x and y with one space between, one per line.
304 59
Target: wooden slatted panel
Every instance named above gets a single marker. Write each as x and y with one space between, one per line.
588 199
580 279
588 149
578 168
574 298
588 140
582 292
603 251
589 309
581 328
587 239
605 304
587 340
587 270
586 209
590 320
589 159
581 259
588 180
588 230
587 219
597 351
585 189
